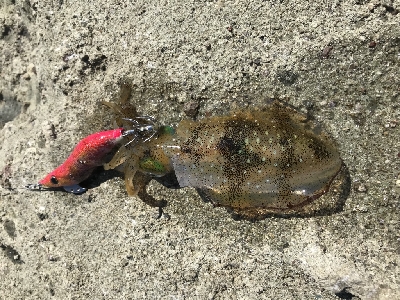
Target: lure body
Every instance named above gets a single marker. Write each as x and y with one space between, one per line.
88 154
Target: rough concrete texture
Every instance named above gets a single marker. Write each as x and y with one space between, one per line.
336 60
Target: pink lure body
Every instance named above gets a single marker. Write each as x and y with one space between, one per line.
88 154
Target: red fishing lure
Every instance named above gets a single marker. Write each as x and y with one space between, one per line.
88 154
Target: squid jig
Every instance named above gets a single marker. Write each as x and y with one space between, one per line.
90 153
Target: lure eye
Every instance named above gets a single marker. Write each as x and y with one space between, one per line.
54 180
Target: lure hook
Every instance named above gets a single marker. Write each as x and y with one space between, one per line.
141 130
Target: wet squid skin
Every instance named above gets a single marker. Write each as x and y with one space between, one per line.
252 162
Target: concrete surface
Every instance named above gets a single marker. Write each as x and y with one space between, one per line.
337 60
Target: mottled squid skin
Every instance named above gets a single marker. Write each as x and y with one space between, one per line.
271 159
88 154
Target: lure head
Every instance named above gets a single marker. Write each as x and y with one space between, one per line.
58 178
55 179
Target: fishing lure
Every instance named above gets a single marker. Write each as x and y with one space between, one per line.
88 154
253 162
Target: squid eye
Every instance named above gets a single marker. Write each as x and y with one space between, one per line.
54 180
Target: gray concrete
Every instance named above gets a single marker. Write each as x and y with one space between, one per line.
59 59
